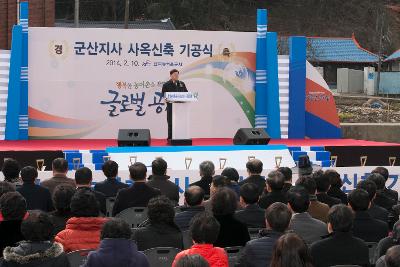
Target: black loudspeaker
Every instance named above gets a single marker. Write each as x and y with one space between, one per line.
134 137
251 136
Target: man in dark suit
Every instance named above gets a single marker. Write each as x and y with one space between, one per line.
366 227
60 170
288 174
374 210
251 215
194 197
340 247
161 181
111 185
138 194
254 169
173 85
386 191
36 196
275 182
83 180
323 184
207 171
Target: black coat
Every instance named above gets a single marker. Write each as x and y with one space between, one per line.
204 183
182 219
384 201
328 200
379 213
37 197
137 195
35 254
158 235
252 215
10 234
232 232
340 249
269 198
255 179
258 252
167 188
368 228
385 244
391 194
101 198
339 194
109 187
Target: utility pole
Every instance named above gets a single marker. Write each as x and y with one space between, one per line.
76 14
378 78
126 18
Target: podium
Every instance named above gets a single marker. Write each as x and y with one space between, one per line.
181 103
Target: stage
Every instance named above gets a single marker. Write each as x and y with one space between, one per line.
348 151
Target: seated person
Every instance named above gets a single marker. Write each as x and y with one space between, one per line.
233 175
290 250
38 248
340 247
251 214
13 210
10 170
374 210
36 196
160 230
116 247
258 252
288 174
323 185
223 205
254 169
160 180
83 229
110 186
62 200
336 185
275 183
204 230
207 171
138 194
194 197
192 260
60 170
390 193
390 241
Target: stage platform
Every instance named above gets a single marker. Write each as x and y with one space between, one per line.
348 151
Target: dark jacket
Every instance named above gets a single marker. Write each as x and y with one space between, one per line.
10 234
368 228
270 198
158 235
109 187
385 244
325 198
340 249
101 198
167 188
204 183
255 179
35 254
384 201
391 194
258 252
286 187
308 228
182 219
339 194
59 220
252 215
232 232
137 195
378 213
52 183
37 197
117 252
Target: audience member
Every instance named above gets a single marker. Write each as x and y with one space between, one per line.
291 251
13 210
62 200
287 173
204 230
160 180
258 252
392 258
336 185
251 214
194 260
323 184
116 247
374 210
218 182
38 248
138 194
207 171
302 223
275 183
393 194
254 169
60 170
233 175
389 241
83 229
110 186
365 227
232 232
340 247
160 230
381 198
36 196
316 209
194 197
10 170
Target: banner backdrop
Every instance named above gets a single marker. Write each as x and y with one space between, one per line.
88 83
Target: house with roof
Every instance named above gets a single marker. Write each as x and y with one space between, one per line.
392 62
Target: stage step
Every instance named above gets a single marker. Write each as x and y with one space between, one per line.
4 78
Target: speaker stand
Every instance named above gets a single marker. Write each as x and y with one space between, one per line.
179 142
